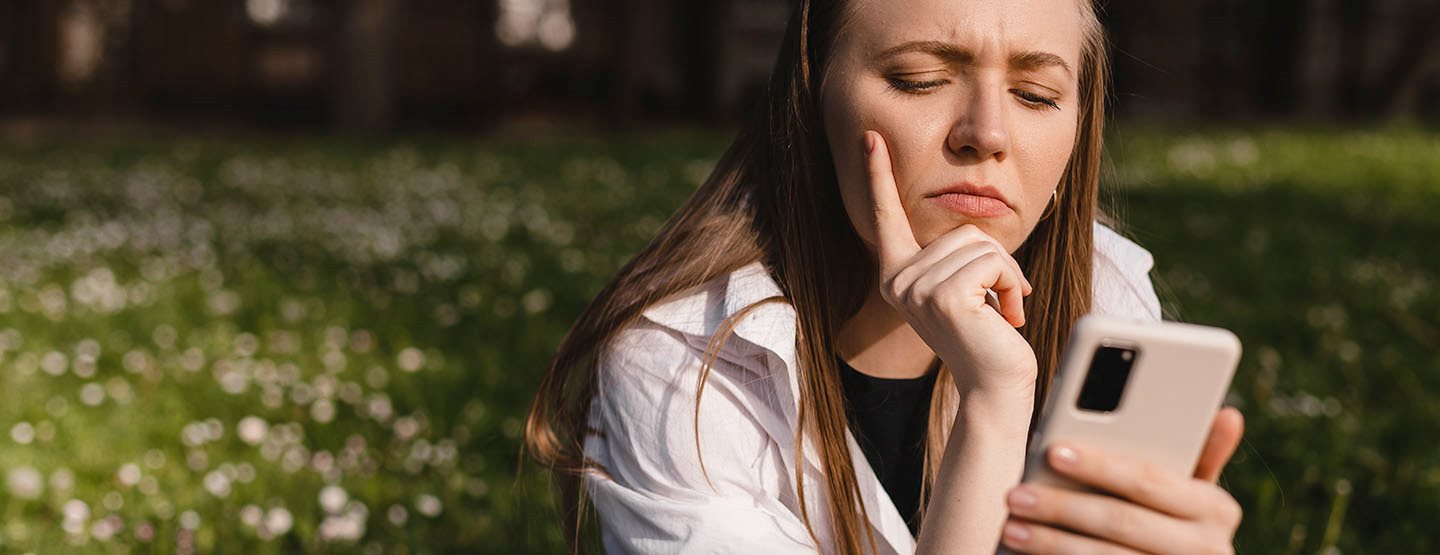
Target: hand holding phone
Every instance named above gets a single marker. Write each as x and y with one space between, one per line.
1131 410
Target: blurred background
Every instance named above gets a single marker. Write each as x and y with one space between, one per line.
282 275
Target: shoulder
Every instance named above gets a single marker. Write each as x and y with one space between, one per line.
1121 284
660 419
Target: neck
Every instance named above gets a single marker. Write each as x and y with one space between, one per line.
878 342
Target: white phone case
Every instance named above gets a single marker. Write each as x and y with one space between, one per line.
1177 382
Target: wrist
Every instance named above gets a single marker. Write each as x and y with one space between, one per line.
1000 414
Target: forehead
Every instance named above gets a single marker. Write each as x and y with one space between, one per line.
987 27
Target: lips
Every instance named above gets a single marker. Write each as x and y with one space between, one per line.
969 199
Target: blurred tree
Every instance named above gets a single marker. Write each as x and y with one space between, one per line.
365 89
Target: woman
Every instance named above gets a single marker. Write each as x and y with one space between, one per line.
913 210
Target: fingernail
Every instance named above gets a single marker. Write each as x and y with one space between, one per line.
869 143
1022 498
1016 533
1063 456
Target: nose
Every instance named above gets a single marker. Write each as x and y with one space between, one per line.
980 132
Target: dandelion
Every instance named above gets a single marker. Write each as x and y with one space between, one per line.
92 394
149 486
119 390
250 515
278 521
62 480
294 459
105 528
23 433
362 341
192 360
76 513
145 532
252 430
154 459
406 427
164 336
536 301
246 344
428 505
25 482
113 501
323 411
54 363
129 474
244 473
217 483
397 515
348 527
333 499
196 460
190 520
379 407
410 359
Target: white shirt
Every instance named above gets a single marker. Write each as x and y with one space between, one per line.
654 496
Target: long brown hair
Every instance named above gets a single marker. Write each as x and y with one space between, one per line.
773 198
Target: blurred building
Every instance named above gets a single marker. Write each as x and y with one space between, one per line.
369 64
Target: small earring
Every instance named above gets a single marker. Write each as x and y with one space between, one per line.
1050 208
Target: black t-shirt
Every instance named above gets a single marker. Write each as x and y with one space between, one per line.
888 418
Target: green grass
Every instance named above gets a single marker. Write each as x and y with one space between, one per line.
386 310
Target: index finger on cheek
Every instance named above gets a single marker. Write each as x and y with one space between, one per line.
894 239
1139 481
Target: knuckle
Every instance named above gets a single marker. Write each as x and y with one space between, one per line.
1043 539
946 296
1231 513
1119 520
892 291
1146 481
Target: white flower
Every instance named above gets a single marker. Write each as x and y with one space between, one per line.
129 474
25 482
92 394
278 521
23 433
250 515
410 359
333 499
190 520
322 411
252 430
428 505
217 483
62 479
397 515
75 509
105 528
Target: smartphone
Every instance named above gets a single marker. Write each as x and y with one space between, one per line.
1148 390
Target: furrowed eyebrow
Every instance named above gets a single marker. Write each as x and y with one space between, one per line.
1026 60
1036 59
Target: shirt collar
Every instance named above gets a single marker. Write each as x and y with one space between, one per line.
772 328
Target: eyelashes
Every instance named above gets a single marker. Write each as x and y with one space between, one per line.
1030 99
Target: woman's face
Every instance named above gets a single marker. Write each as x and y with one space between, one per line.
977 101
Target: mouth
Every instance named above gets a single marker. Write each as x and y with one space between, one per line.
975 201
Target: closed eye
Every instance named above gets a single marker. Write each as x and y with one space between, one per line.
1035 100
915 87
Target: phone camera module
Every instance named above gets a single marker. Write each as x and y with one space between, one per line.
1105 381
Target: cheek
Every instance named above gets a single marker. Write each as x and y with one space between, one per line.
1043 159
848 114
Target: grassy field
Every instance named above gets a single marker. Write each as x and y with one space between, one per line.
308 345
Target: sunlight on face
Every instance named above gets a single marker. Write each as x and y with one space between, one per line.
980 95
